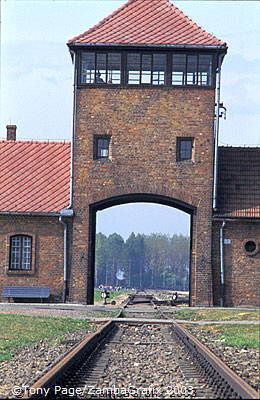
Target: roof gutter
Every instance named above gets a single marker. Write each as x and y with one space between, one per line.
30 214
171 46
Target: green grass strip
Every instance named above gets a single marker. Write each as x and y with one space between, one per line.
235 335
22 330
217 315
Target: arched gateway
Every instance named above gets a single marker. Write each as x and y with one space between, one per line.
144 128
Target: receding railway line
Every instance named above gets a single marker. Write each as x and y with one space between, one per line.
140 355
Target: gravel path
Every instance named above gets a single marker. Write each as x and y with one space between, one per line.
245 362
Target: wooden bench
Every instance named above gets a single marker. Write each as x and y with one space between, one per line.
23 292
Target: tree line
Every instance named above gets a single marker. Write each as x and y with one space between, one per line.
155 261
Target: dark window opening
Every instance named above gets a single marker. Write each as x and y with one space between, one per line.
139 68
101 147
21 252
250 246
98 68
192 69
146 69
184 149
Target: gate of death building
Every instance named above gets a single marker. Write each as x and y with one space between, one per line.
144 128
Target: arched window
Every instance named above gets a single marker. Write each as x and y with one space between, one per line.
20 252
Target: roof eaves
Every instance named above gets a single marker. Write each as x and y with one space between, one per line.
31 214
174 46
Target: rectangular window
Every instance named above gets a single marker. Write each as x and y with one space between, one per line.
101 147
142 68
178 69
21 252
159 69
184 148
100 68
190 69
146 69
134 68
205 70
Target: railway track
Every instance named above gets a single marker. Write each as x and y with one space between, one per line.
136 356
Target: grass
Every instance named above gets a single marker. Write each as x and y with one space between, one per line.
217 315
21 330
245 336
112 295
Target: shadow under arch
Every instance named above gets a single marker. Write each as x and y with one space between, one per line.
125 199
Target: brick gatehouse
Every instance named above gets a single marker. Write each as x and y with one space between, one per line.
146 109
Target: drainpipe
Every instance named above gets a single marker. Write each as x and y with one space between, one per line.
65 213
216 131
73 54
222 264
68 212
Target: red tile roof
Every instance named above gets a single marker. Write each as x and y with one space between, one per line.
147 22
34 176
239 182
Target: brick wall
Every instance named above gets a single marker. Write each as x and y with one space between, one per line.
241 270
47 250
144 124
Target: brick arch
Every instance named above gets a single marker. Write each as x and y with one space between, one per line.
178 196
127 199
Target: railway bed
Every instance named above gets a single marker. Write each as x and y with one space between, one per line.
148 358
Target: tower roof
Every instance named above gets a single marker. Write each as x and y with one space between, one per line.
147 22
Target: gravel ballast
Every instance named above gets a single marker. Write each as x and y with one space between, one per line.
245 362
29 362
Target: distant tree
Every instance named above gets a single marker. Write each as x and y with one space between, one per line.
145 261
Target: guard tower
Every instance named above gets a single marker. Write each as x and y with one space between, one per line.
144 110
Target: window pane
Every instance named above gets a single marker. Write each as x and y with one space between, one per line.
178 69
87 67
26 253
133 69
114 68
21 252
185 149
159 69
15 252
146 68
192 70
205 70
102 147
101 67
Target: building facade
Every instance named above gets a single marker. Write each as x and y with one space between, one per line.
146 109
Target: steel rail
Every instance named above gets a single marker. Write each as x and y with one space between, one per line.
225 382
85 347
232 386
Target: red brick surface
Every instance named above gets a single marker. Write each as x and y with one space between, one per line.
242 280
143 125
47 248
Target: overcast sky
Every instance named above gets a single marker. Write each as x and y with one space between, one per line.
36 68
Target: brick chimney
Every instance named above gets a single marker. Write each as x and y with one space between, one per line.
11 132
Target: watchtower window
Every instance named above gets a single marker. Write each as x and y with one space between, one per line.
98 68
146 69
184 149
101 147
20 252
138 68
192 69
